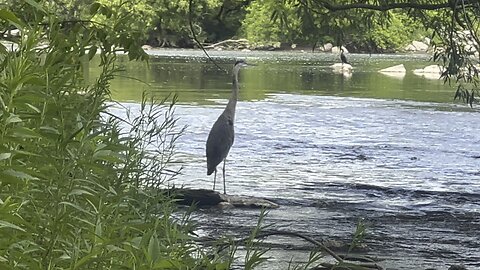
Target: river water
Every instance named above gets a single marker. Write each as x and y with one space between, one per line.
331 149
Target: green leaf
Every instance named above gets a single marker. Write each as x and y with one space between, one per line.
153 248
108 155
3 49
164 264
9 16
19 174
23 132
26 153
35 5
48 129
94 8
5 224
90 256
33 108
4 156
79 192
98 232
13 118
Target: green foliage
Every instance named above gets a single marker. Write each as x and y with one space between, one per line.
79 187
269 22
395 34
255 254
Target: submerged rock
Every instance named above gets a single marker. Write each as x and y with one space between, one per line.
430 72
394 69
397 71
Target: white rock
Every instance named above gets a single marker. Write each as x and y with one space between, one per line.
427 40
410 48
436 69
347 74
341 68
394 69
336 49
430 72
327 47
420 46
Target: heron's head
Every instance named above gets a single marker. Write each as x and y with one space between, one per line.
240 63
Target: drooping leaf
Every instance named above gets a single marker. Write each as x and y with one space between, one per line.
9 16
18 174
6 224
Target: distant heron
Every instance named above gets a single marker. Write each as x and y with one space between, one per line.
222 133
343 57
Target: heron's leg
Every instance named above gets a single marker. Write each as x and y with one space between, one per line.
214 179
224 186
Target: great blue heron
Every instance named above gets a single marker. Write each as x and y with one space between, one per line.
343 57
221 136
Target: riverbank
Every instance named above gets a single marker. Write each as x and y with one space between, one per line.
246 45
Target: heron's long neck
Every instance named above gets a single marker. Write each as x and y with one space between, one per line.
232 102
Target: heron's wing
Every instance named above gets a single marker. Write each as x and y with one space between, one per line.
219 141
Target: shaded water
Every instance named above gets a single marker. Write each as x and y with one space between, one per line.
331 150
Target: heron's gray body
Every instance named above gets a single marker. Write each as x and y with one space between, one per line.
221 136
219 141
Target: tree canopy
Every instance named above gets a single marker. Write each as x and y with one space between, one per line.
361 26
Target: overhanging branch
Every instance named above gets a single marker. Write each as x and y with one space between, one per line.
395 5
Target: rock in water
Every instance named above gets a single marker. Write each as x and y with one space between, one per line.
397 71
200 197
394 69
207 197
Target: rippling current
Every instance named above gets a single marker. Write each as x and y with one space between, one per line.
410 169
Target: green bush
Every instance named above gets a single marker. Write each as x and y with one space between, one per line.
78 186
399 32
268 22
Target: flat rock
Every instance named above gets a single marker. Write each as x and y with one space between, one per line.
248 201
341 68
207 197
394 69
430 72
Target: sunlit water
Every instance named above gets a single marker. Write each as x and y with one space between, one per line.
331 150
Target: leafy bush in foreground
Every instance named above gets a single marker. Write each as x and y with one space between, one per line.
73 178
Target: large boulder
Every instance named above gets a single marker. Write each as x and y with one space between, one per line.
410 48
420 46
337 49
327 47
340 68
416 46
